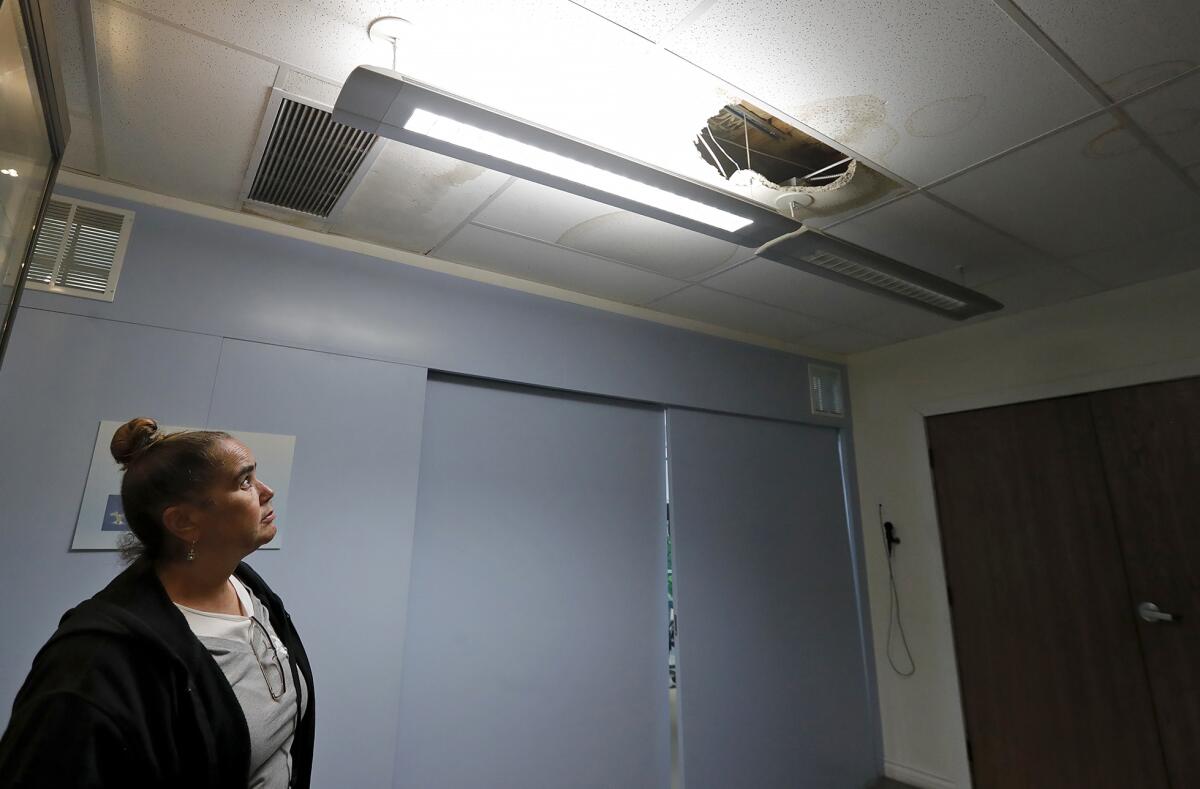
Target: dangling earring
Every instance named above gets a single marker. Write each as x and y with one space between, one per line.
191 553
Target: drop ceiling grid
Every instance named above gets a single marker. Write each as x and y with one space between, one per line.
280 32
539 212
712 306
1086 188
930 92
649 20
508 253
740 254
1170 115
169 125
415 199
923 232
337 21
1122 45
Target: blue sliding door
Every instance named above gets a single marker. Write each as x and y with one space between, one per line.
772 683
536 653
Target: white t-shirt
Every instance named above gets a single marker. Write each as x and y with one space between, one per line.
239 649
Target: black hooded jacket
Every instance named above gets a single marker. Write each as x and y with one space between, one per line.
124 695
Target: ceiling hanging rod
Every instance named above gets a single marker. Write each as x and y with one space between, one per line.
391 105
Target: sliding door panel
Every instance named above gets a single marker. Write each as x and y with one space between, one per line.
1150 438
772 682
537 647
1053 686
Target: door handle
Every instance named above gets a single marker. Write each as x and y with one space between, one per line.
1149 612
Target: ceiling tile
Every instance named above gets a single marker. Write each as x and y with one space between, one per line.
921 232
489 249
413 199
1087 188
915 86
1125 45
170 126
81 152
846 340
562 218
1041 287
1147 259
1171 116
799 291
646 19
702 304
323 36
71 63
893 319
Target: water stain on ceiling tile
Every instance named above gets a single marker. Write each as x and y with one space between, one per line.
1117 141
858 122
945 116
1143 77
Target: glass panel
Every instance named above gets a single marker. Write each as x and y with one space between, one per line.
26 157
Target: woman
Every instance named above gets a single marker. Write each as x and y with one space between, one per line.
185 671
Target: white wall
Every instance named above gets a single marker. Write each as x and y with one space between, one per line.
1138 334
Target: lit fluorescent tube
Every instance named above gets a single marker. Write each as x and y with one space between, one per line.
386 103
492 144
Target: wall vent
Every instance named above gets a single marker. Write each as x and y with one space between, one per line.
825 390
79 249
308 162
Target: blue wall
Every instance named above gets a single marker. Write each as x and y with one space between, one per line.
185 272
219 324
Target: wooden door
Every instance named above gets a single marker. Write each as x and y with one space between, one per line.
1054 689
1150 441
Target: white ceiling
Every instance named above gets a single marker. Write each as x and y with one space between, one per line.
1046 149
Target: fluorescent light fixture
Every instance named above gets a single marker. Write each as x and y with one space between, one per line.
389 104
815 252
510 150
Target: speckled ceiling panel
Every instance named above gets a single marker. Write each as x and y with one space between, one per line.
489 249
325 37
651 20
734 312
922 88
180 112
1171 116
1084 189
81 149
412 198
799 291
549 215
921 232
70 56
1124 45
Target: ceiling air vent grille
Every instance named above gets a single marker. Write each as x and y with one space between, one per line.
309 160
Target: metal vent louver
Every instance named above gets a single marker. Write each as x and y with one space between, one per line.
825 390
879 279
309 160
79 248
813 251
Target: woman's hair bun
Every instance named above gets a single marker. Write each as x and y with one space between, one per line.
132 438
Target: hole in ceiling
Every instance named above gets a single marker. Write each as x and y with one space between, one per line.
779 152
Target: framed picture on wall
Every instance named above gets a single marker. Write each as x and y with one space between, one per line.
101 524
